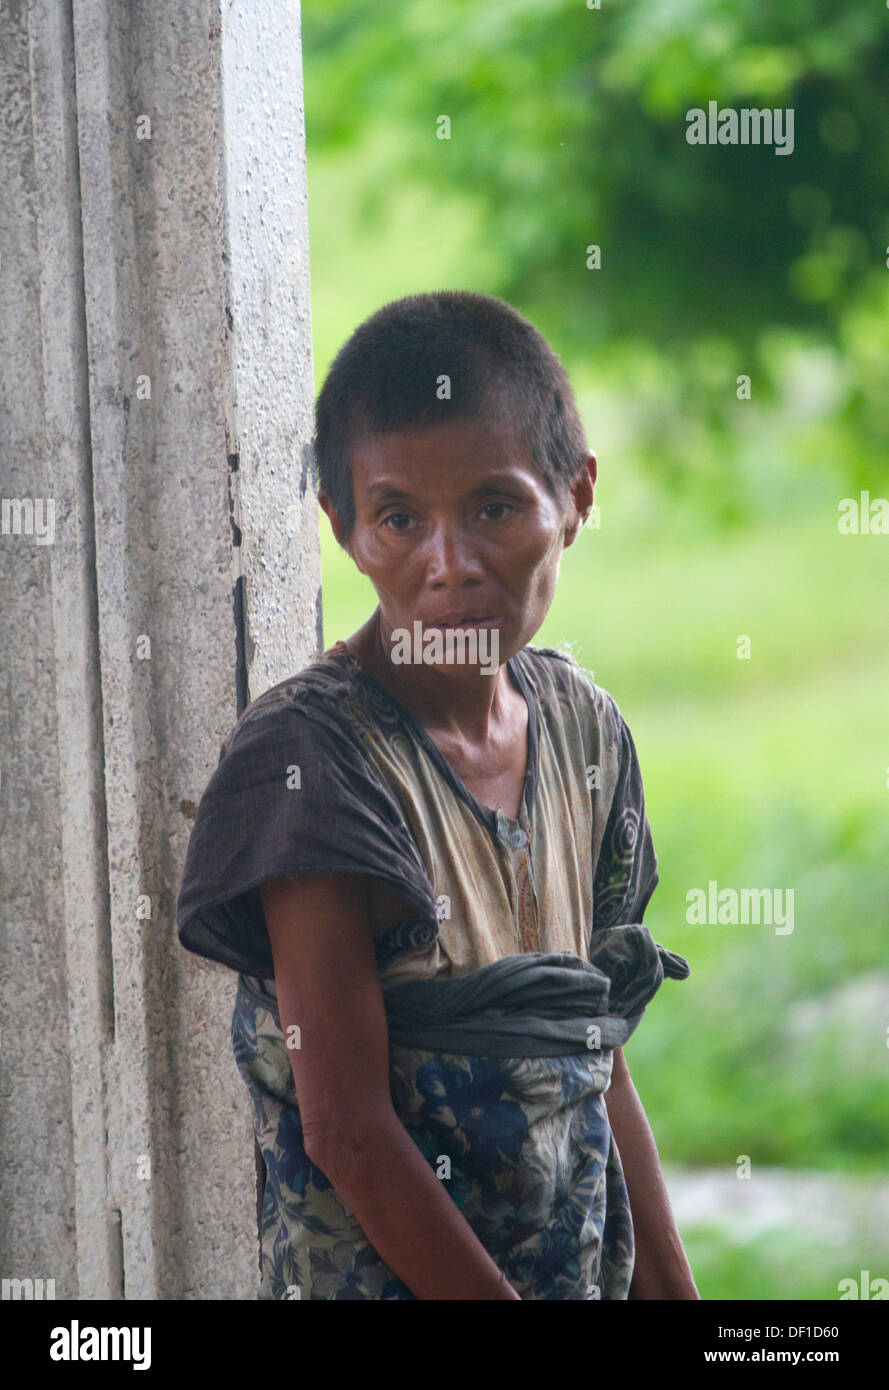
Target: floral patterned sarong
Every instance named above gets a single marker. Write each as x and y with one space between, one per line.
519 1134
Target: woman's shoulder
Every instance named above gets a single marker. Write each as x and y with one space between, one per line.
293 793
567 687
324 691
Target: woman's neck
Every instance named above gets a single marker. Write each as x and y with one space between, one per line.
459 702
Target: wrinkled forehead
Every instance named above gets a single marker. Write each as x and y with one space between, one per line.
441 458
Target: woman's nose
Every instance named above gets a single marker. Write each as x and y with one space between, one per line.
452 555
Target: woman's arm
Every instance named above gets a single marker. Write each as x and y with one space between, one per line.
328 984
661 1269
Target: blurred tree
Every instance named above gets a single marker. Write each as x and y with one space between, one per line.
568 126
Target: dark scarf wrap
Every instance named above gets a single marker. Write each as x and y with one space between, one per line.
536 1004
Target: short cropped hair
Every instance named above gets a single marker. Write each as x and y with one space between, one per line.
387 377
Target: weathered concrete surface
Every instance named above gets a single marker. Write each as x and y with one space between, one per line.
157 356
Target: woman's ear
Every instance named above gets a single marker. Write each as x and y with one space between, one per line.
582 493
332 516
336 526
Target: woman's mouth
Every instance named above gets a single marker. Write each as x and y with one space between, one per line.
465 623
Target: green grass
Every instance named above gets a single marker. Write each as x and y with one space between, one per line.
782 1263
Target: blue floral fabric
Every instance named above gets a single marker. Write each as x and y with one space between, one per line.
523 1145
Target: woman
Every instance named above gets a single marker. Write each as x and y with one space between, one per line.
431 873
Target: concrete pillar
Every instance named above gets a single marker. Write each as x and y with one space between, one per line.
154 292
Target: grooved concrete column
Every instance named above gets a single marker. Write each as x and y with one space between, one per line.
154 292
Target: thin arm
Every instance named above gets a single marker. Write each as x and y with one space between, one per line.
661 1270
328 984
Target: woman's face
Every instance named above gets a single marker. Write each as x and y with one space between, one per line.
453 522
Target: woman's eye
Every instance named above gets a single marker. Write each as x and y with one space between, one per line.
498 504
405 516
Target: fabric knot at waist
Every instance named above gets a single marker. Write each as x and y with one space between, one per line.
536 1004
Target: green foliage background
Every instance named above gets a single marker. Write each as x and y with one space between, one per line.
719 515
568 129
